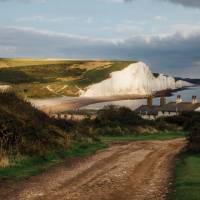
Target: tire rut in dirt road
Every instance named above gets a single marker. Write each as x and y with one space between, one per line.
131 171
149 180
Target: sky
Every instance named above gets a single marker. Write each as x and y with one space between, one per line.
163 33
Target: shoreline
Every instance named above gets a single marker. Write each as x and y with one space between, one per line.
66 103
61 104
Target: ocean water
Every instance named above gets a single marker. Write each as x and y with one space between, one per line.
186 96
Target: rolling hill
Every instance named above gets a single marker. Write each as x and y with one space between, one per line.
51 78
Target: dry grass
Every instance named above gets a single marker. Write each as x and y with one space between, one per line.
16 62
4 158
4 161
92 65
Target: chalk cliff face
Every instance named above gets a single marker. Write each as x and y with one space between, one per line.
137 78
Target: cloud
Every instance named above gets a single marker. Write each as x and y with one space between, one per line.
40 18
160 18
173 53
25 1
190 3
126 27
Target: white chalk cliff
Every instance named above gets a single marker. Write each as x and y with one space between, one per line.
137 78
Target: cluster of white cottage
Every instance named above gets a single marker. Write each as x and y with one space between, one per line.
152 112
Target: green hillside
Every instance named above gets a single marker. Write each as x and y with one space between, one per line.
31 142
50 78
26 131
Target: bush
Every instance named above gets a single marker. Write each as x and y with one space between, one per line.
113 120
26 130
194 138
113 131
177 120
191 119
114 116
190 122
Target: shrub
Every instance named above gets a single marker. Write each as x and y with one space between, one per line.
114 116
194 138
113 131
26 130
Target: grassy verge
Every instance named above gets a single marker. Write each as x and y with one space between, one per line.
157 136
186 185
30 166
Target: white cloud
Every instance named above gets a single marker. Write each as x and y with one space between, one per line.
41 18
132 29
160 18
26 1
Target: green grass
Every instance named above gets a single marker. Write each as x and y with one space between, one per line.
30 77
20 62
186 185
30 166
143 137
98 75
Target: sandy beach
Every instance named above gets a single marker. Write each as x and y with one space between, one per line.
61 104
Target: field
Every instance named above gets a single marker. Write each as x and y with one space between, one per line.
52 78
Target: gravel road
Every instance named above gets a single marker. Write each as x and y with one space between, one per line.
124 171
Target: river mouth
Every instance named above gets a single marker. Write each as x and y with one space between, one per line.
62 104
186 95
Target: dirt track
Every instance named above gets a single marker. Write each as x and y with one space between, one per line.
125 171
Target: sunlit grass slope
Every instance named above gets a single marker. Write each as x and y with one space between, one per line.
51 78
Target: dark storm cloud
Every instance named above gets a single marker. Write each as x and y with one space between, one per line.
190 3
174 54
